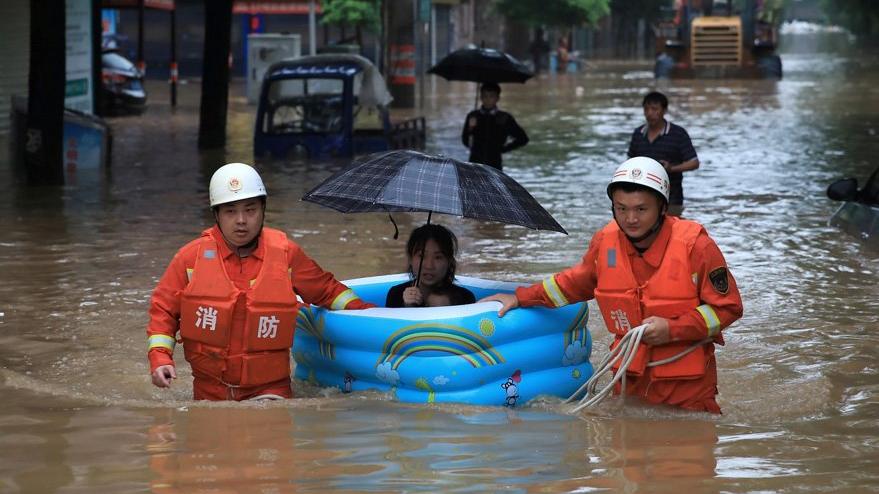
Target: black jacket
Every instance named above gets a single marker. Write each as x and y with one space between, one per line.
496 132
458 295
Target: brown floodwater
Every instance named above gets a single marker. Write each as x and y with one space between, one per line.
799 376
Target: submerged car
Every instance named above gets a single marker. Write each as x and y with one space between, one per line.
122 89
859 212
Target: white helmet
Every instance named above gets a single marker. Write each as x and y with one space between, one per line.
234 182
644 171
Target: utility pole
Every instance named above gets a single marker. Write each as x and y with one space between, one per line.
401 63
46 85
312 28
215 74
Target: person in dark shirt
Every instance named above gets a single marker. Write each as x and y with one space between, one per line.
870 193
489 132
667 143
430 254
538 48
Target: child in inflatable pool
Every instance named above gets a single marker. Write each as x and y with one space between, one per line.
430 252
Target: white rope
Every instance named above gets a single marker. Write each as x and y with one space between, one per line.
267 397
625 353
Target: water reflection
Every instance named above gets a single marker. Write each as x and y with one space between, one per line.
370 448
683 452
234 449
381 448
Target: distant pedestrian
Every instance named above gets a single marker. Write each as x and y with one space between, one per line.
563 55
665 142
539 48
490 132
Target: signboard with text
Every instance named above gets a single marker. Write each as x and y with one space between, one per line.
78 90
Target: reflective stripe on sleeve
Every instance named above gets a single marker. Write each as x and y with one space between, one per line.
554 292
712 322
343 299
161 341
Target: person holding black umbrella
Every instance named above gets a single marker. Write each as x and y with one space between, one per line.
489 132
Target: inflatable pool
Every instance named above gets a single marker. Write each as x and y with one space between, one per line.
463 354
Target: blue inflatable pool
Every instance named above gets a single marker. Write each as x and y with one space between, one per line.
463 354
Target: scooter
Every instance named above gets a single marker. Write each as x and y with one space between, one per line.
121 82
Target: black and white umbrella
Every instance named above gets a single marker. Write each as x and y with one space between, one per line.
410 181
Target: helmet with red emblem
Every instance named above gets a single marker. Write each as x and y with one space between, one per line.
643 171
234 182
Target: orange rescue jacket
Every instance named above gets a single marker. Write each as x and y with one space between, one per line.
669 293
208 315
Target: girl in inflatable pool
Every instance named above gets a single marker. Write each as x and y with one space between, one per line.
423 353
430 254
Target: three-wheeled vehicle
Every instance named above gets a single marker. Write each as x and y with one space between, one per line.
859 212
328 105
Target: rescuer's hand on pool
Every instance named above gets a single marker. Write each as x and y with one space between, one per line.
163 375
508 301
657 332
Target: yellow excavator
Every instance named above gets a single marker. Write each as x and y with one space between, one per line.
724 39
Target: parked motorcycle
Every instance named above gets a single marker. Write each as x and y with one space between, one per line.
121 82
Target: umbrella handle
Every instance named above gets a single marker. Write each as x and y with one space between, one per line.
396 230
421 261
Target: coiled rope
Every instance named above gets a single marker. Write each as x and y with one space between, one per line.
624 353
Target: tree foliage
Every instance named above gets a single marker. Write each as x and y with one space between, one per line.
858 16
650 10
771 11
553 12
354 13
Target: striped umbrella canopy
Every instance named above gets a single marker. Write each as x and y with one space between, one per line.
411 181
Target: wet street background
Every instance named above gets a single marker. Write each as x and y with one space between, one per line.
798 376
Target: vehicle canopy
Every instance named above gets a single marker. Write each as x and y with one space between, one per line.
329 104
368 84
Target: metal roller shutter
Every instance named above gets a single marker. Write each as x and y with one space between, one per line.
14 54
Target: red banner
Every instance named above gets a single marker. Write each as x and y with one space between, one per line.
402 64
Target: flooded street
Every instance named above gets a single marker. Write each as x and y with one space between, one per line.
799 375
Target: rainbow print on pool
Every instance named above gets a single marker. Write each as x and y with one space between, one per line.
463 354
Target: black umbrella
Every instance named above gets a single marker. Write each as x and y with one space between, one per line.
410 181
481 65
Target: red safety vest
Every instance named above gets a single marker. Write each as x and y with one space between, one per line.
669 293
208 318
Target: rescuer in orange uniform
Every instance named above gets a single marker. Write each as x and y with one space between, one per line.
646 267
231 294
